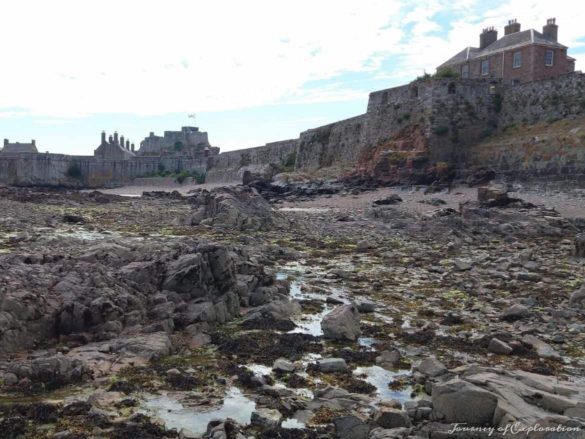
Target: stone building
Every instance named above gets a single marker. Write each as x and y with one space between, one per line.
517 57
189 139
17 148
115 148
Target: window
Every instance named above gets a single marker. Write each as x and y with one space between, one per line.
485 67
465 71
549 58
517 60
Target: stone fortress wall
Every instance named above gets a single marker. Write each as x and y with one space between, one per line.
453 115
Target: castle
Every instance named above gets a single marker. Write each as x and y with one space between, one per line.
517 57
432 123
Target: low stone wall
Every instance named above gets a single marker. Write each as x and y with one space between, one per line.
224 168
55 169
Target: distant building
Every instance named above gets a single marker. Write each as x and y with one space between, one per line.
115 148
17 148
517 57
175 142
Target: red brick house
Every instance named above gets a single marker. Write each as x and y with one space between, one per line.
519 56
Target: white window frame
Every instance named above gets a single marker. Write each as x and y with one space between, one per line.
485 62
465 71
517 60
552 58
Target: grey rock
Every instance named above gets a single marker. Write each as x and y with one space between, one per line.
460 401
391 418
350 427
342 323
577 299
365 306
499 347
266 418
388 359
515 312
431 367
542 348
332 365
283 365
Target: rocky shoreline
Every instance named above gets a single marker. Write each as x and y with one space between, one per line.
220 314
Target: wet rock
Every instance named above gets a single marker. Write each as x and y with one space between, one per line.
528 277
342 323
72 218
390 433
494 196
266 418
577 299
543 349
351 427
460 401
52 372
389 359
283 365
8 379
391 418
515 312
185 433
431 367
389 200
365 306
332 365
499 347
580 245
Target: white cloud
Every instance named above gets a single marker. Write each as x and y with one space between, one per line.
71 58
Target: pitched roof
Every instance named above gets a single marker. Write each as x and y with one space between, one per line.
507 42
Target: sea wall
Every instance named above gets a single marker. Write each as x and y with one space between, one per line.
225 167
29 169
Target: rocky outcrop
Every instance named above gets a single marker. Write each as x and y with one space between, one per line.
238 208
403 159
110 289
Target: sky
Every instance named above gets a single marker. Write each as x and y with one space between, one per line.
251 71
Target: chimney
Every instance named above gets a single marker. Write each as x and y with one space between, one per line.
132 146
122 141
512 27
116 138
487 37
103 137
111 139
33 142
128 145
551 30
5 142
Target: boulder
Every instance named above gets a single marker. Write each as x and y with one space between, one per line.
53 372
463 402
577 299
266 418
391 418
515 312
350 427
580 245
499 347
431 367
342 323
494 196
388 359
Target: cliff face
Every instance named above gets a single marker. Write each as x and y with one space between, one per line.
402 159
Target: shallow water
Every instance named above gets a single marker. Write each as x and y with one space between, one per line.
176 415
380 378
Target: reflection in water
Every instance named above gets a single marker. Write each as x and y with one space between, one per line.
380 378
175 415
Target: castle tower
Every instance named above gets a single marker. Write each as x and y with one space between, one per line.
512 27
551 30
487 37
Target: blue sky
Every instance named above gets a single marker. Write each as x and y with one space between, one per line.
252 72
